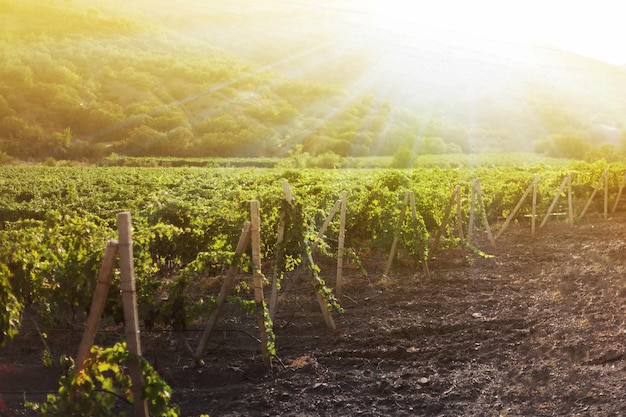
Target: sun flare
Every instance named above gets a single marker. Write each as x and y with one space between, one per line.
590 29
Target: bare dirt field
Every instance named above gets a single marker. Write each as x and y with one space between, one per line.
537 330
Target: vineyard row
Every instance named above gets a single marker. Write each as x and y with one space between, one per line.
55 222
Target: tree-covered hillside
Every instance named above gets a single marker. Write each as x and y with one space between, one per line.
83 79
76 82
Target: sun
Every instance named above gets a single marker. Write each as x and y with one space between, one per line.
592 29
484 26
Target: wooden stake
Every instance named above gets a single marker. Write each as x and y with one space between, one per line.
459 215
533 219
340 248
619 193
323 305
279 250
396 235
320 235
514 212
326 223
227 287
444 223
570 204
328 318
590 199
131 320
420 248
481 204
566 180
257 279
606 194
470 226
105 276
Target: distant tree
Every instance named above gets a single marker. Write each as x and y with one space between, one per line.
434 145
5 108
60 142
14 127
403 158
563 146
327 160
141 139
606 151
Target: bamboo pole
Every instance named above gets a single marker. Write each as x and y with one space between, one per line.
105 276
227 286
444 223
131 320
481 204
340 248
257 280
396 235
533 220
554 201
619 193
590 199
514 212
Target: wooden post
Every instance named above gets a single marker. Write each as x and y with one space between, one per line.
533 220
459 215
421 250
105 276
340 248
619 193
328 318
444 223
514 212
606 194
257 279
570 205
470 226
590 199
481 204
320 235
279 250
326 223
131 320
566 180
396 235
227 287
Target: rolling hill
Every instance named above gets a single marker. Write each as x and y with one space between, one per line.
82 80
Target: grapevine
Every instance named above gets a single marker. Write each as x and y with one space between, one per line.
103 383
55 222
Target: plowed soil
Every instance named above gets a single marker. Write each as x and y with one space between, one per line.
539 329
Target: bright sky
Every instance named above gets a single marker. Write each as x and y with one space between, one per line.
594 29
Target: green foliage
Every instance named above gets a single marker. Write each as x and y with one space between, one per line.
403 158
45 257
11 309
565 146
269 330
103 384
162 96
436 146
56 221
